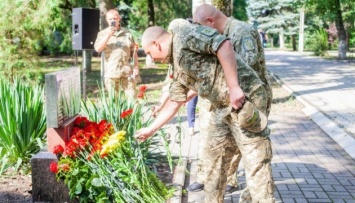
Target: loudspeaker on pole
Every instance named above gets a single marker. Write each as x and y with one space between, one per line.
85 26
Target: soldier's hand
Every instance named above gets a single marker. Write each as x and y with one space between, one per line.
143 134
111 30
237 97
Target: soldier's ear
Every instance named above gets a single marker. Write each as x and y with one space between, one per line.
210 19
157 45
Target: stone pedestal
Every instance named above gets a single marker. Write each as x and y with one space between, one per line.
45 187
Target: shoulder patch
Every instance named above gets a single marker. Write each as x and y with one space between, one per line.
248 44
206 31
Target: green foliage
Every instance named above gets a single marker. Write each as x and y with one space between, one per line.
22 122
119 177
319 42
110 106
21 29
283 17
81 182
340 12
123 175
352 39
165 11
34 27
239 10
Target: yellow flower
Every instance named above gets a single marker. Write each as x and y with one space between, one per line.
113 142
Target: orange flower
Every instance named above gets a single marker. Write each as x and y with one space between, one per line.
63 167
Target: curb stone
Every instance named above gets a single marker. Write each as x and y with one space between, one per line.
178 182
346 141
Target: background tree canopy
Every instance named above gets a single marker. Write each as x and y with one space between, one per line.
36 27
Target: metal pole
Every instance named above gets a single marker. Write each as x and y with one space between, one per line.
102 72
301 32
76 58
85 61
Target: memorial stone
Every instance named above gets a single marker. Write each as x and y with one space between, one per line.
62 98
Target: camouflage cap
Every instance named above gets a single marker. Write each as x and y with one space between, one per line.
250 118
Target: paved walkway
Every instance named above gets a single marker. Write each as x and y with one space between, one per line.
314 150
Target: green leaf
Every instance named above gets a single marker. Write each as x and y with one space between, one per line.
96 182
75 172
78 188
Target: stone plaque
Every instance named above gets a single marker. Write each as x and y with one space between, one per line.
63 96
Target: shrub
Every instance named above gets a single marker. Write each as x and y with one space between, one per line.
319 42
22 122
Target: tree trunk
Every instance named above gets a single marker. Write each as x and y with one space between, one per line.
151 13
271 38
226 6
281 40
294 47
342 47
104 6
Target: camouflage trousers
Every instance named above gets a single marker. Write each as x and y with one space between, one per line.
127 85
222 142
201 170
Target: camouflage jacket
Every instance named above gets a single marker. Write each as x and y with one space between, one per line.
118 53
247 44
197 67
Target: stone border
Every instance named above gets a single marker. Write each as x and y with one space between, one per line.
178 182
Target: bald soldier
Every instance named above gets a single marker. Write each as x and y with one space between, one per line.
244 38
246 43
204 61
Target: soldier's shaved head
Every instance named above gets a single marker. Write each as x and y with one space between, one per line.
203 11
208 15
152 34
156 42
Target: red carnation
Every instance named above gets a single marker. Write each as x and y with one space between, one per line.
126 113
81 121
53 167
143 88
140 95
58 149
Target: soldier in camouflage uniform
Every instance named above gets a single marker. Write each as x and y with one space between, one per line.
245 39
119 49
192 52
247 44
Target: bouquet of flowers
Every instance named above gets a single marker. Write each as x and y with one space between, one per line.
100 165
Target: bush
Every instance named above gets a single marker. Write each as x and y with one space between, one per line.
109 107
319 42
22 122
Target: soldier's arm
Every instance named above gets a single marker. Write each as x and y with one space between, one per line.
166 114
101 41
228 61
